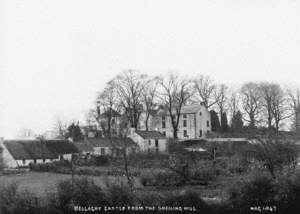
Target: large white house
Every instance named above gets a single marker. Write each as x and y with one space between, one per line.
194 122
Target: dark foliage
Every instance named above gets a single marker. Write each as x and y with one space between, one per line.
215 122
224 122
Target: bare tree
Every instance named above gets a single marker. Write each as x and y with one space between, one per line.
233 103
268 94
205 88
106 108
220 95
175 92
280 108
129 87
251 102
294 103
149 96
60 128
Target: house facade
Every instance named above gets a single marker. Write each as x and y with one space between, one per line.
194 122
149 141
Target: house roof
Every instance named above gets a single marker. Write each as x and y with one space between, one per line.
29 149
61 147
189 109
88 144
36 149
150 134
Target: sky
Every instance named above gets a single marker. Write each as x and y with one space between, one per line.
55 55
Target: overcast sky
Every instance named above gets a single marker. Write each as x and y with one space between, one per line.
56 54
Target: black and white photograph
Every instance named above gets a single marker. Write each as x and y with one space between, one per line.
139 106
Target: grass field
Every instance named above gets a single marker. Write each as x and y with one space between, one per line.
40 183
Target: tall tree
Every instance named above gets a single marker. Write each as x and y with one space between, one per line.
129 87
205 89
237 122
251 103
175 92
149 98
224 122
106 107
268 94
280 108
60 128
221 98
215 122
294 103
233 103
74 132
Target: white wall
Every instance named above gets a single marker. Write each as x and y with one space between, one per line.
7 158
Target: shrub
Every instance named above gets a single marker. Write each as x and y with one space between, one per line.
82 192
161 178
257 192
119 194
288 194
13 201
186 199
101 160
204 176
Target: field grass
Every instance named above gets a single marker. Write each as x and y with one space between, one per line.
40 183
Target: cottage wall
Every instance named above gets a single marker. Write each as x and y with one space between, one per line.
7 158
150 145
97 151
139 141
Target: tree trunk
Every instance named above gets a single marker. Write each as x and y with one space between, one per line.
146 122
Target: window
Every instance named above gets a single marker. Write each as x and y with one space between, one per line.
102 151
184 123
200 113
200 133
34 160
184 115
163 124
44 160
163 118
207 123
149 142
164 133
156 142
184 133
23 161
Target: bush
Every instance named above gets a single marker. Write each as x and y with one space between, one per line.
101 160
187 199
13 201
119 194
161 179
204 176
288 194
83 192
257 192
